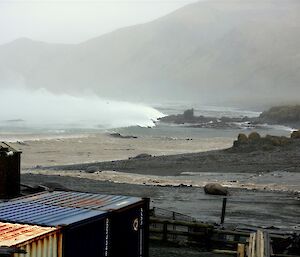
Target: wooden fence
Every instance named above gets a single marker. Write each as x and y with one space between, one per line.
206 236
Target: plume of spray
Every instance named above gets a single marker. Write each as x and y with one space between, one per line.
42 109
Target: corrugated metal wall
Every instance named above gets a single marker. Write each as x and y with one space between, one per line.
35 240
46 246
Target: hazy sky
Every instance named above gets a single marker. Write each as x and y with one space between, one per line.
73 21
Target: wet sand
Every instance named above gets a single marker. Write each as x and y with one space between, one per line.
222 161
276 169
103 147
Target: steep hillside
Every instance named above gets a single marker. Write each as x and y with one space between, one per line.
229 52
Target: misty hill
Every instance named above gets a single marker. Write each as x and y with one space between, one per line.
286 115
229 52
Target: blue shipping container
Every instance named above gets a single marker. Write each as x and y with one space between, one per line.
85 232
128 217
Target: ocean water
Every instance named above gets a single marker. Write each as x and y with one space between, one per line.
173 131
124 118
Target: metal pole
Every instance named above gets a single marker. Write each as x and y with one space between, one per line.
223 210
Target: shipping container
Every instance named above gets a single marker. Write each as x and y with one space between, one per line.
10 160
35 240
129 217
130 231
84 232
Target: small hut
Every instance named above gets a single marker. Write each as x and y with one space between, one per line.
10 166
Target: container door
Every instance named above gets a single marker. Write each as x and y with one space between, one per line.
86 240
128 233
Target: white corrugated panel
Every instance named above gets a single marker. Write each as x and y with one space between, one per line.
35 240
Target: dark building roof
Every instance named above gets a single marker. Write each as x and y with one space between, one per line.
4 147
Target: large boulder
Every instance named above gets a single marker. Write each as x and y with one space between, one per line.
215 189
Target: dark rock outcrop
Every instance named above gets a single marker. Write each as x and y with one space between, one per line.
141 156
295 134
281 115
118 135
201 121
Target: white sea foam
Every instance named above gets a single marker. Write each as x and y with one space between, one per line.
277 127
21 138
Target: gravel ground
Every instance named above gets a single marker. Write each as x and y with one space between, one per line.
245 208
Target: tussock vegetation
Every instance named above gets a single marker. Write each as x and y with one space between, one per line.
242 138
254 142
254 136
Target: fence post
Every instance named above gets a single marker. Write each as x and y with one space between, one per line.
223 210
252 245
241 250
165 231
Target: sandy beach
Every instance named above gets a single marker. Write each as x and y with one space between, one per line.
86 148
276 169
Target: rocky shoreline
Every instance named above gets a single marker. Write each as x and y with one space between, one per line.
280 115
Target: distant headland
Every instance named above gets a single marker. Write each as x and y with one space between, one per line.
288 115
